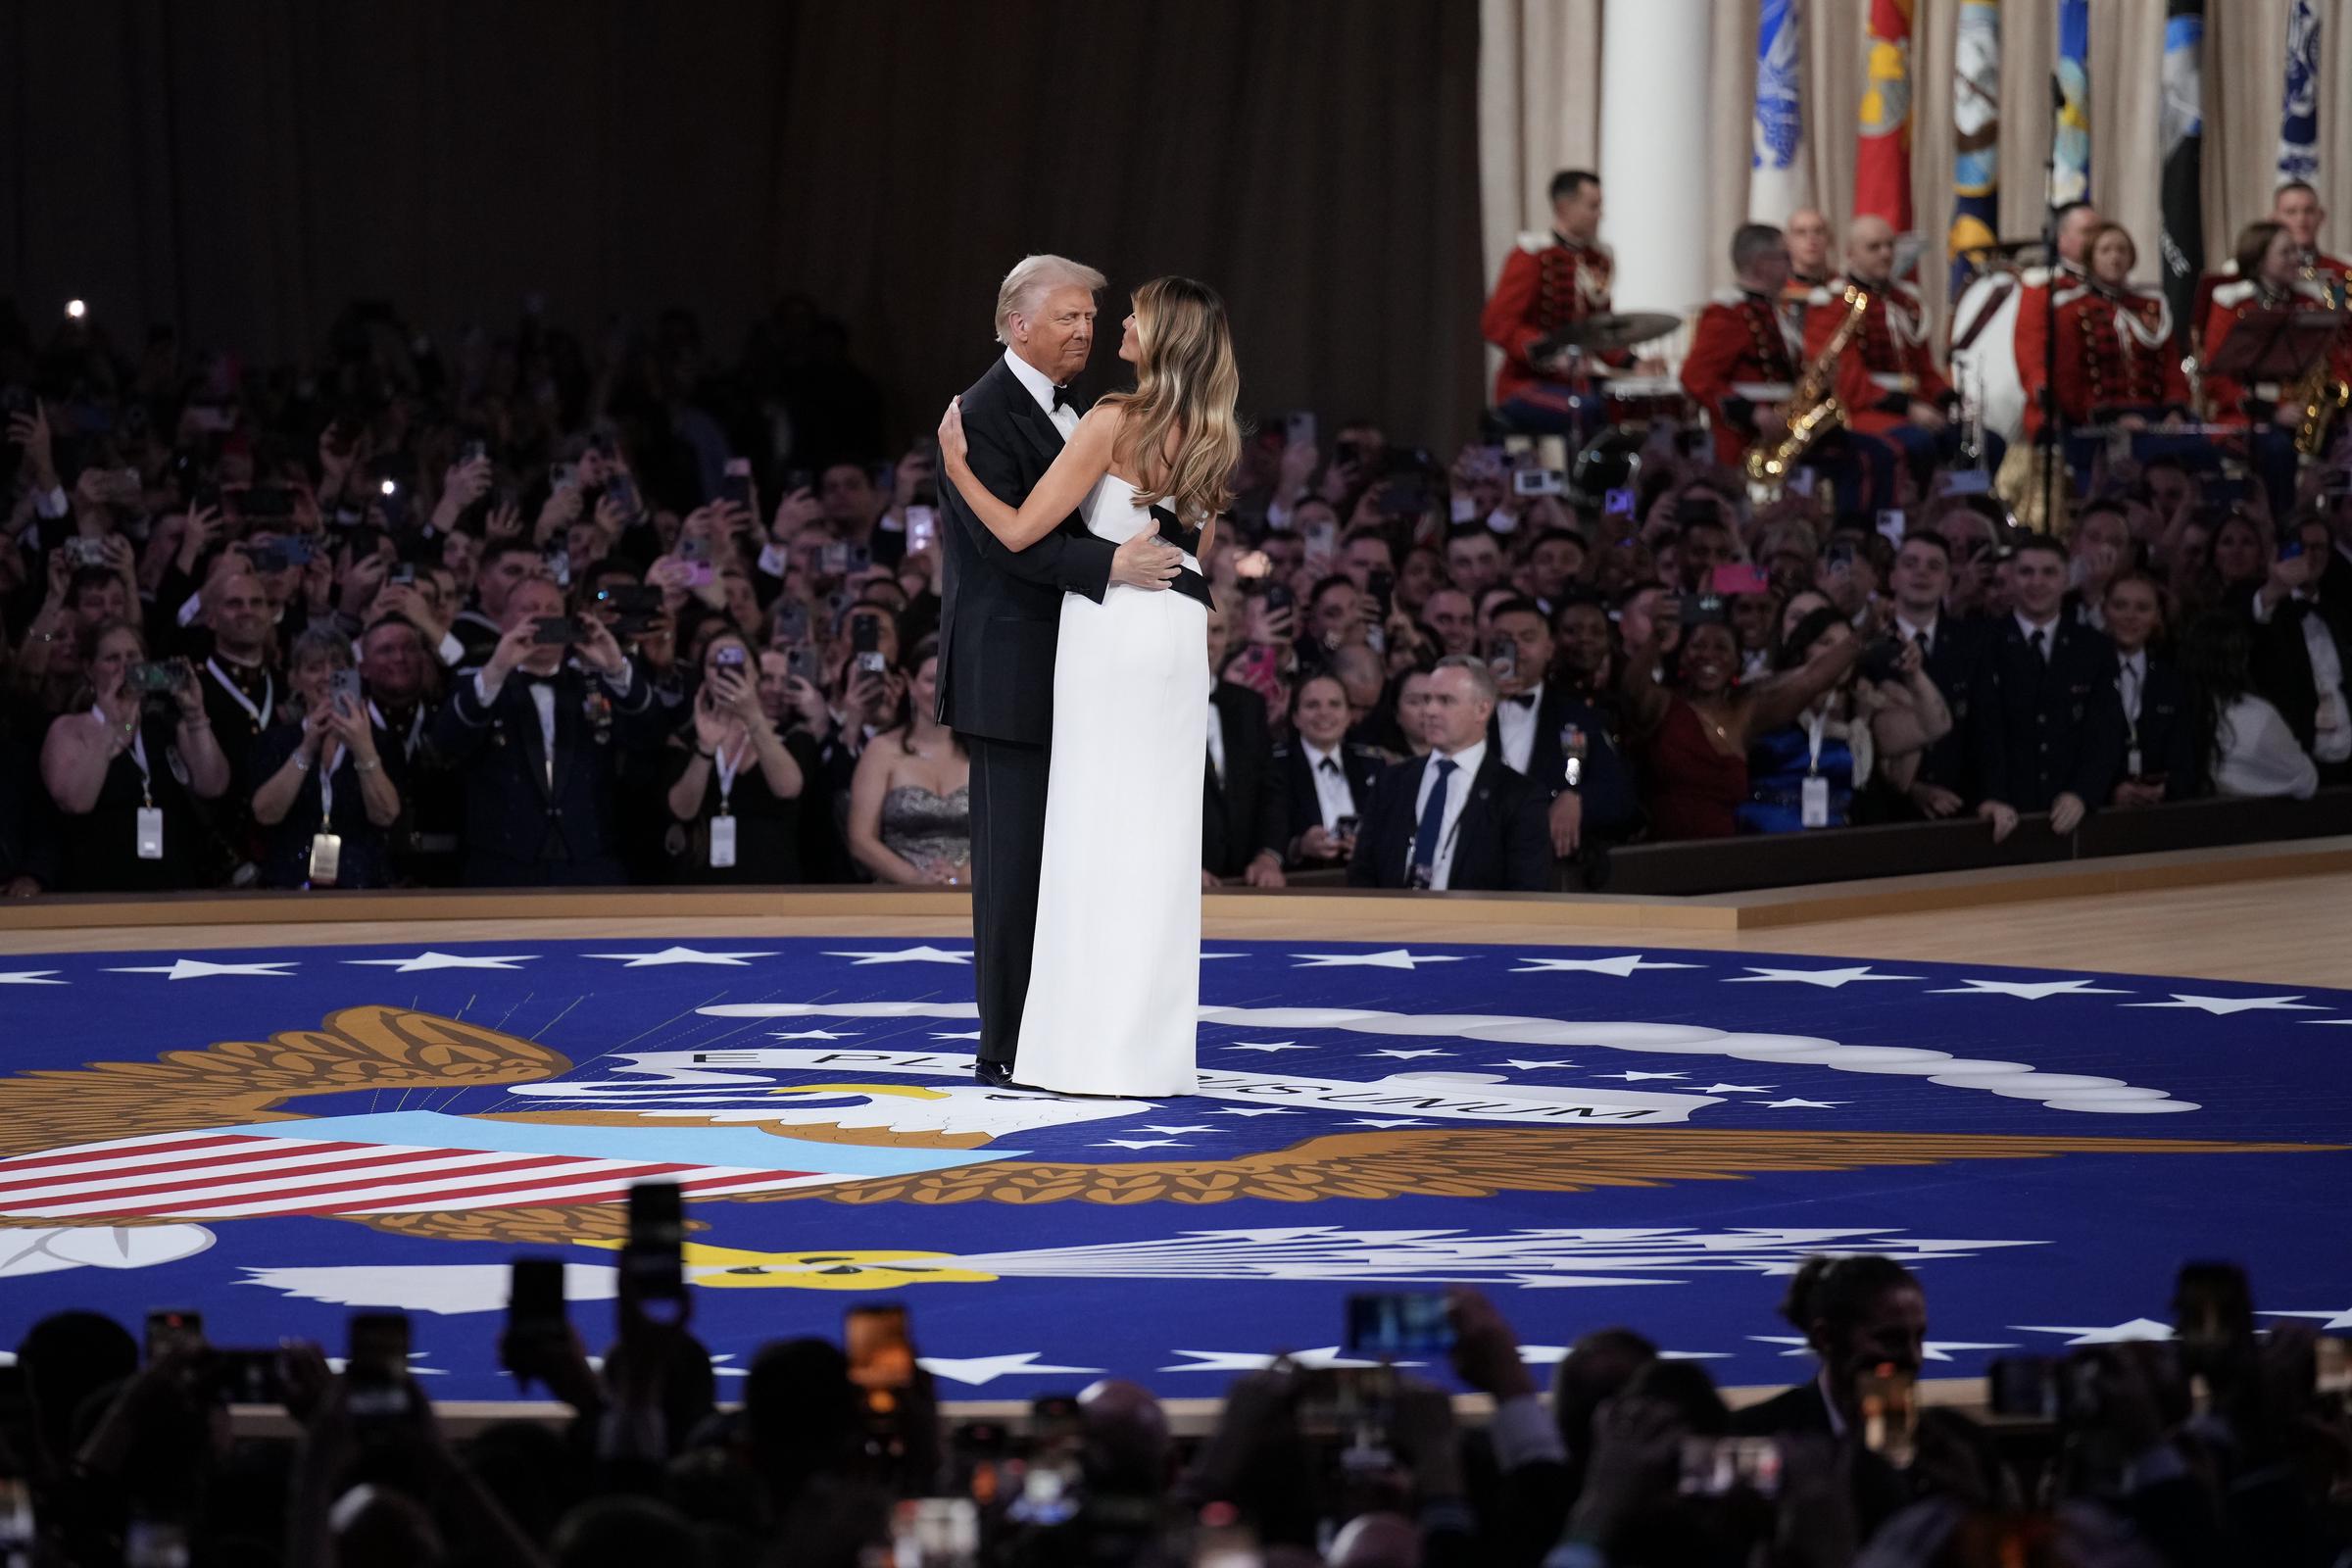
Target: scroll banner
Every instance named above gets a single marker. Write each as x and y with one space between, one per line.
2181 130
1976 147
2074 113
2299 118
1882 157
1779 181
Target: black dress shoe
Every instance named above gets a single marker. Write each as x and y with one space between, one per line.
994 1074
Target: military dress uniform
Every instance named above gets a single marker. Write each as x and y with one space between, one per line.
2114 355
2269 446
1746 353
1548 283
1899 367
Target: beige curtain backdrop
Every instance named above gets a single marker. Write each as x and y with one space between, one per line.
1539 111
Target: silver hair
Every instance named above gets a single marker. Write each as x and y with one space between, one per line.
1481 676
322 642
1026 287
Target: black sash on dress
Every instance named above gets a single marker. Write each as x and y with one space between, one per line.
1187 582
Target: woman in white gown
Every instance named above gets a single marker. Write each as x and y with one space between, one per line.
1114 989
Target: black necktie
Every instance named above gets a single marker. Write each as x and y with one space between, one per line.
2039 641
1921 638
1328 765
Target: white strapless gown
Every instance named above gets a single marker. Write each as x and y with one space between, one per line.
1115 988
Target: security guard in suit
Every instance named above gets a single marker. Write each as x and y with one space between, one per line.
536 739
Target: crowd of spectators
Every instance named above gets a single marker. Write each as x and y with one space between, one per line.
528 608
2208 1446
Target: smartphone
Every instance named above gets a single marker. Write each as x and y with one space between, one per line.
555 629
1891 524
935 1533
1714 1466
1278 598
2291 548
1503 658
562 475
1400 499
730 657
866 644
923 529
2025 1386
1398 1323
1883 662
1539 482
801 663
880 1352
1731 580
1299 427
154 676
696 554
622 493
791 621
1617 503
1968 482
84 552
1381 584
376 1366
1699 609
650 1259
735 488
253 1375
475 451
171 1329
1889 1397
1838 556
834 559
297 549
1345 826
536 1324
343 690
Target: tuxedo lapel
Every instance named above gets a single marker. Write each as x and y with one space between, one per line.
526 721
1037 430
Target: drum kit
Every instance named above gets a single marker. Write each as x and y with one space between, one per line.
1617 397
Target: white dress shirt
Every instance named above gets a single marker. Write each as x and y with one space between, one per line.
1066 418
1466 764
1912 631
1333 792
2048 629
1517 724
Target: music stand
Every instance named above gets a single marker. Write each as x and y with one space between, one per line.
2275 345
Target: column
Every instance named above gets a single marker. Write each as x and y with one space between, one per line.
1656 124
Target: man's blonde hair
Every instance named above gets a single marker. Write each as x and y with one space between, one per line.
1026 287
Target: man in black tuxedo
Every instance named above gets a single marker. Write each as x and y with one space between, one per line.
1950 648
2048 723
1323 782
999 620
536 739
1541 725
2303 648
1457 819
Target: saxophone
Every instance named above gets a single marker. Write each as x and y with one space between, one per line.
2321 393
1813 407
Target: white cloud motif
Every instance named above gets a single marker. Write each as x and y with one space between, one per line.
48 1248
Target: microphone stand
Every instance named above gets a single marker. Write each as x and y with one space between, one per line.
2052 411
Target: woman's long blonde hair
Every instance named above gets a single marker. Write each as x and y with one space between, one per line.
1186 387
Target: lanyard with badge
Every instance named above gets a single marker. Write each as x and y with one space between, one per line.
1813 794
150 821
327 845
258 713
722 826
2132 755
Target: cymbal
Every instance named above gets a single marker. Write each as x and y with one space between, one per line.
1603 333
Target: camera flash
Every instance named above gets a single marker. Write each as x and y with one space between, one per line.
76 310
389 487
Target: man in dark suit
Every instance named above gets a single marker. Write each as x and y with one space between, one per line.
2303 648
1949 651
1237 786
1322 782
536 740
1457 817
1541 725
999 620
2048 723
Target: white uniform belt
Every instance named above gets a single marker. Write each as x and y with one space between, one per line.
1763 391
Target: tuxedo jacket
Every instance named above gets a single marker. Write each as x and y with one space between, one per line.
1234 808
1957 648
1000 613
2281 662
523 828
1503 840
1293 806
2040 728
1612 808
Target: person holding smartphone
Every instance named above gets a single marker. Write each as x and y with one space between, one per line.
330 791
1322 782
127 770
736 783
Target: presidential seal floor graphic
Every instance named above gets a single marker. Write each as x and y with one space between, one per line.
276 1138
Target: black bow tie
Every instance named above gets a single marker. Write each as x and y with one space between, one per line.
1523 699
1062 399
